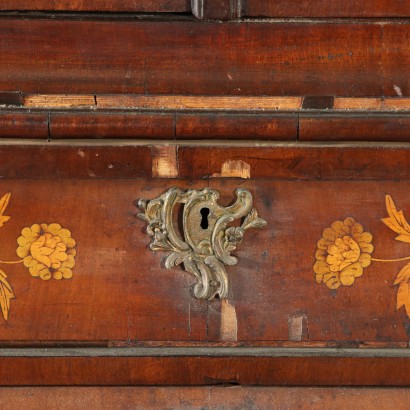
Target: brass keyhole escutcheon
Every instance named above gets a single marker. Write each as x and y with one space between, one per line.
204 220
205 244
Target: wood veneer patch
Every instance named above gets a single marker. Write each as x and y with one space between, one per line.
10 98
59 101
229 322
234 169
181 102
164 162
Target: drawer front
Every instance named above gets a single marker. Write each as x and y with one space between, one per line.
322 286
328 269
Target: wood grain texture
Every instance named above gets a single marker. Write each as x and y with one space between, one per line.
75 162
200 102
62 101
185 58
133 160
175 6
197 398
280 160
300 162
204 370
394 82
331 8
214 126
397 104
203 103
354 128
111 125
18 124
121 292
358 104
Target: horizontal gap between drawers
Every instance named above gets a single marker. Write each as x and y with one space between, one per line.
209 352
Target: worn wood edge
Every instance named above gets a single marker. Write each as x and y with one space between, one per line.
202 351
229 103
62 101
155 344
206 103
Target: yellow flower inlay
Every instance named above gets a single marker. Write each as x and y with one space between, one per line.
343 251
47 251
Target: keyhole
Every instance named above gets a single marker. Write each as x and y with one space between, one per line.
204 219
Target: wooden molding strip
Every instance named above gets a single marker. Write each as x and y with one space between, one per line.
202 351
208 103
181 117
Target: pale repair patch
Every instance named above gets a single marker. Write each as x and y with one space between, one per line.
398 90
235 169
164 162
229 322
297 328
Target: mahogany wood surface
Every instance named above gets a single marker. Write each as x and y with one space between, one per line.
301 162
206 126
337 59
197 398
362 127
99 110
328 8
204 370
201 160
175 6
112 125
31 125
247 127
121 292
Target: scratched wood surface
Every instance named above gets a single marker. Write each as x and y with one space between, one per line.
144 57
233 398
120 291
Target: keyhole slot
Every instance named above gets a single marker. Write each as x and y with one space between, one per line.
204 219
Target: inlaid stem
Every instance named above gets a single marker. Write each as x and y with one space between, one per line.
11 262
391 260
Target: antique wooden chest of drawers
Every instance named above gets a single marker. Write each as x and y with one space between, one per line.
202 194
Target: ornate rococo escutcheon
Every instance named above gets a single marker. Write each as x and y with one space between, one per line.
207 241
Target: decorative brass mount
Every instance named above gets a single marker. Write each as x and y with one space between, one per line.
207 240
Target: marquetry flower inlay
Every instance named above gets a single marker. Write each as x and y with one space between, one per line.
345 250
342 253
48 251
